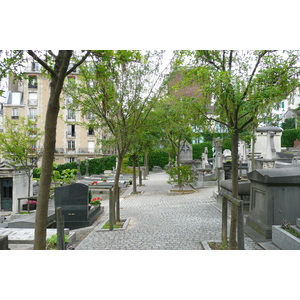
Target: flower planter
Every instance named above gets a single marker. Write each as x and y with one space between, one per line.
31 206
283 239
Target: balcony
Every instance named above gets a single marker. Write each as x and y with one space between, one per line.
77 151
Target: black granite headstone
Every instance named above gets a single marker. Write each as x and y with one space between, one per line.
73 200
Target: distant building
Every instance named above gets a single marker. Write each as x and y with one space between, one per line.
30 96
286 108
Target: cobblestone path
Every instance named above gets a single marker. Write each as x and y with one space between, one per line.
160 221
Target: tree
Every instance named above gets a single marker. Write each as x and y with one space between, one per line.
118 88
242 86
289 123
19 145
57 66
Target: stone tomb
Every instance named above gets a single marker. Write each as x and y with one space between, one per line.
13 185
74 202
274 197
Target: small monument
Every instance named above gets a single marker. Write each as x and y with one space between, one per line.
186 152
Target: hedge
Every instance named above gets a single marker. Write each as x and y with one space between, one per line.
289 136
96 166
158 158
198 149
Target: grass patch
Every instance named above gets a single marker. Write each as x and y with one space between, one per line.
25 212
219 246
287 226
117 225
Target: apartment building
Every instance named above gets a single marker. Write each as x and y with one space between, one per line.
30 96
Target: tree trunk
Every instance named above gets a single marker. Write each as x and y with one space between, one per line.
234 174
146 162
134 191
28 191
116 212
252 154
140 173
60 68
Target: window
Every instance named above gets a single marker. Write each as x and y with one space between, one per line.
91 146
71 145
35 66
91 131
14 98
32 81
15 113
282 104
69 100
32 113
70 159
32 99
71 131
71 114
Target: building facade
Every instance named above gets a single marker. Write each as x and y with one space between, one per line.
29 98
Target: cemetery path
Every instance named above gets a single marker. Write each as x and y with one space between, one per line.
160 221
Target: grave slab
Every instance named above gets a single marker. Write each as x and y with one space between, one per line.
26 235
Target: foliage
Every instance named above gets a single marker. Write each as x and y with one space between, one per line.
158 158
119 88
288 123
287 226
18 143
219 246
51 242
198 149
95 201
11 63
96 166
243 86
99 165
181 175
289 136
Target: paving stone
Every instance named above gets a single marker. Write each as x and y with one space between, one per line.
162 222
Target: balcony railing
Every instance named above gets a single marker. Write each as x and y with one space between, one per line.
77 151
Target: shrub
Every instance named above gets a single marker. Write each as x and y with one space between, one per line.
289 136
181 175
51 242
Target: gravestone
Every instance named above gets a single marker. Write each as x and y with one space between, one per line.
73 200
205 163
186 152
217 153
243 151
297 144
156 169
4 242
274 196
227 154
